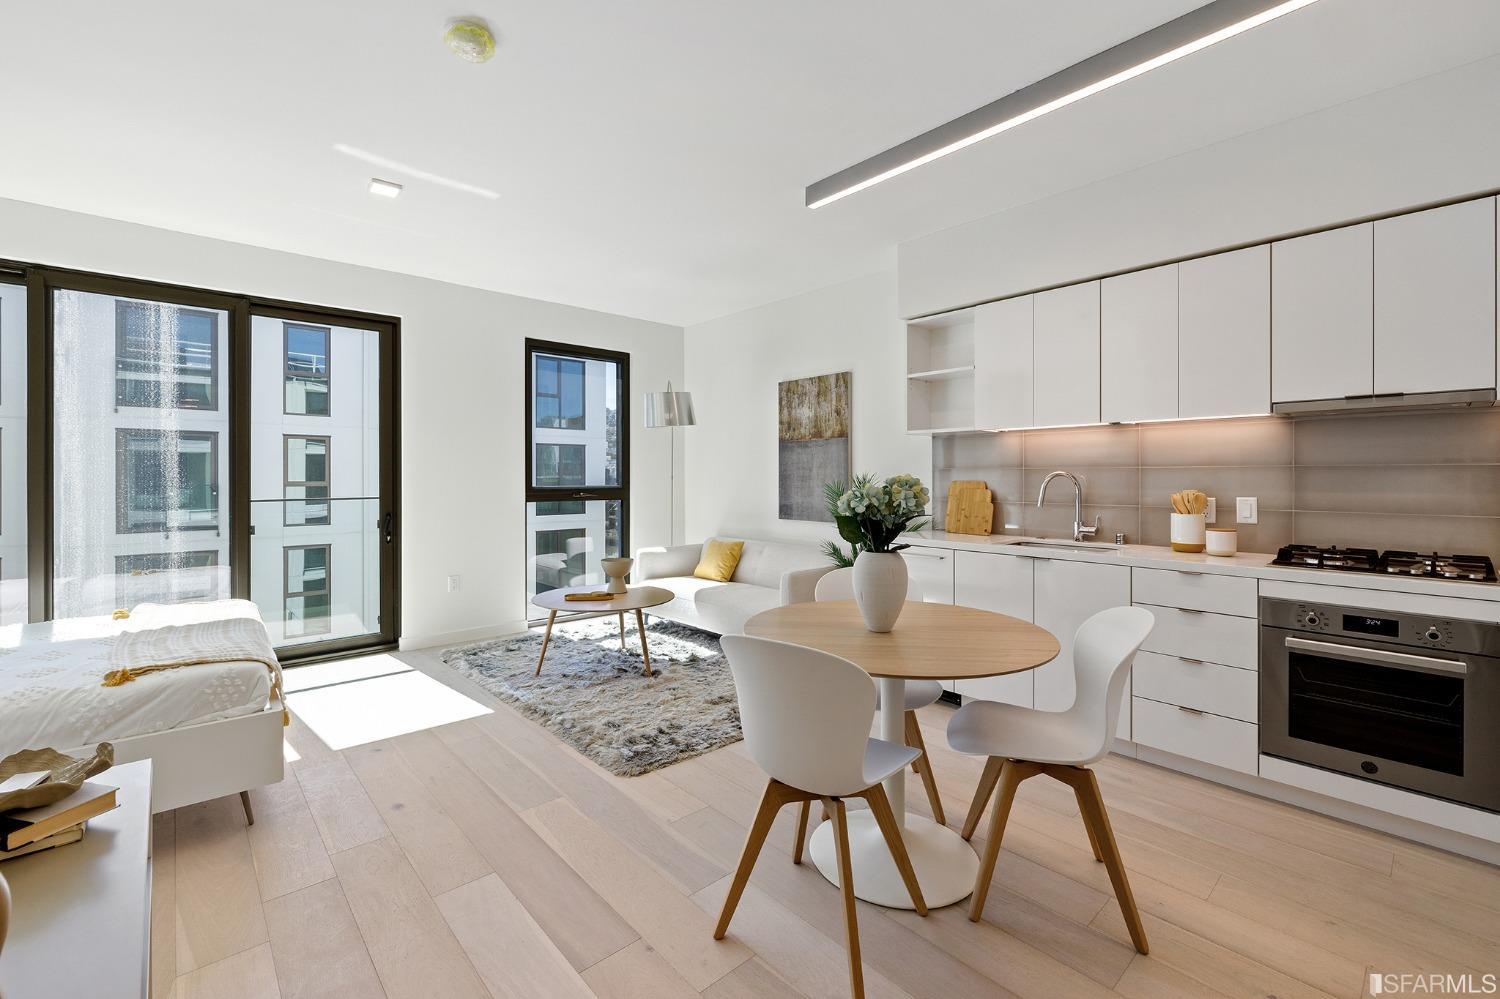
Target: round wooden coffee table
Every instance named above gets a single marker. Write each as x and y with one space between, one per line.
929 642
637 599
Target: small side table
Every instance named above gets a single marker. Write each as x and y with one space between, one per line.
637 599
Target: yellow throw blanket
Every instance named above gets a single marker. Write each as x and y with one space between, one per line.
230 640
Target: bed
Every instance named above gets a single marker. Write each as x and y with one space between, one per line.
210 730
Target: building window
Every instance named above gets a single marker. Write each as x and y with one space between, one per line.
559 393
560 465
561 508
166 357
165 577
308 589
305 464
561 558
306 369
166 481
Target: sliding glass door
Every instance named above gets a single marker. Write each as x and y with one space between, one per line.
189 446
577 463
322 553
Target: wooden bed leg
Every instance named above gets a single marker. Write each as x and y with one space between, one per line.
249 812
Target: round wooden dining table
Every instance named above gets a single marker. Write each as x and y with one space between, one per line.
929 642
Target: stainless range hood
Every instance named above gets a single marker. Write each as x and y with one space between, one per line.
1387 402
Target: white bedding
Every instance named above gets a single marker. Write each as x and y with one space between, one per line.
51 690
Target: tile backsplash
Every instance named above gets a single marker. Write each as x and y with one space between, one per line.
1419 480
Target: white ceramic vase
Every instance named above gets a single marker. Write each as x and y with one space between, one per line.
880 588
615 570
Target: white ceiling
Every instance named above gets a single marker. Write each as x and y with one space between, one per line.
650 155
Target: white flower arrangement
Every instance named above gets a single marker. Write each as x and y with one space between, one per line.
872 514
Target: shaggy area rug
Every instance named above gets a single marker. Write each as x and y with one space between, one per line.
597 698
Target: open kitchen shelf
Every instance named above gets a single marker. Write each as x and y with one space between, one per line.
940 374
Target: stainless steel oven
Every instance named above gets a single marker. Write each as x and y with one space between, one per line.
1408 700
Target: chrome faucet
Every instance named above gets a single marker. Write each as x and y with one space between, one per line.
1081 532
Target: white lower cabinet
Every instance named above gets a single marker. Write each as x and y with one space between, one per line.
1065 594
1198 735
999 583
1191 683
932 570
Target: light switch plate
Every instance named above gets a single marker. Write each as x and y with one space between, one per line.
453 583
1247 509
1213 511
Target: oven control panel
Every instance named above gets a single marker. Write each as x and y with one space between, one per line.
1381 626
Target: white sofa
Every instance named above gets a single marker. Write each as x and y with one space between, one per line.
768 575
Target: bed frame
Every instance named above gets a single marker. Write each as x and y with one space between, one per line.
212 759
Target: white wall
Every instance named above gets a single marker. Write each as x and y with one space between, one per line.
733 367
1428 140
462 387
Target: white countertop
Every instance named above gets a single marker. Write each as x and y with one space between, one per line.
1255 564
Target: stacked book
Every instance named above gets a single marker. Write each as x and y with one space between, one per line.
28 830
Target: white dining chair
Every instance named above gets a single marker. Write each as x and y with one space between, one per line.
839 585
806 717
1021 743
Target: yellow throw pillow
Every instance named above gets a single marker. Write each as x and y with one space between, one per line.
719 559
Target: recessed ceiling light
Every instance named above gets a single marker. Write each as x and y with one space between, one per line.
384 188
1165 43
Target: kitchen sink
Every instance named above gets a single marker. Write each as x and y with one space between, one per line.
1077 546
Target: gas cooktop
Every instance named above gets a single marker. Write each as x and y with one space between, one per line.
1469 568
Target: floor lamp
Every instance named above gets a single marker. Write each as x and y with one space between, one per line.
670 410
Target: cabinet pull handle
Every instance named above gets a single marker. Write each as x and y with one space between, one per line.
1195 662
1191 711
911 554
1189 572
1190 610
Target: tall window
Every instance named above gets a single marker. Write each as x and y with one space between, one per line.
577 454
305 467
166 481
306 369
165 357
165 577
559 393
309 590
14 585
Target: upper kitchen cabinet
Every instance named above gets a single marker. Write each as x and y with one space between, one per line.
1224 334
940 373
1065 356
1435 299
1321 320
1138 346
1002 364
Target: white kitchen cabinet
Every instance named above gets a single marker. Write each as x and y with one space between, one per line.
1065 356
1322 326
1224 334
1138 346
999 583
1198 735
932 570
1002 364
1435 299
1065 594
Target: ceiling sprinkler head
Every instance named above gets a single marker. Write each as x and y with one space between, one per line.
470 38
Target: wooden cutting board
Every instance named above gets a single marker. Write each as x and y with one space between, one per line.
971 508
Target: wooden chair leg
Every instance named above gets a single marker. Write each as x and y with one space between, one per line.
846 886
801 831
1088 825
880 805
770 803
245 803
982 794
1093 803
1012 773
923 766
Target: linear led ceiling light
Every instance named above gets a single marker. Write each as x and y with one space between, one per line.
1193 31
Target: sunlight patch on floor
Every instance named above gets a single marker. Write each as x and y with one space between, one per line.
358 711
298 678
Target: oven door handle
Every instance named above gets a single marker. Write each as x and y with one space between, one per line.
1379 656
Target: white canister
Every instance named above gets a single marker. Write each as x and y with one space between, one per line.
1222 541
1187 532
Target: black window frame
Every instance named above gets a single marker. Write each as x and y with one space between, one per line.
122 434
287 374
124 305
288 594
287 482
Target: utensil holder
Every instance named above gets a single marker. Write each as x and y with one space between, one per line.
1188 532
1223 541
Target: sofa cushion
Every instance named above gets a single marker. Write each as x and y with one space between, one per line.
719 560
762 563
718 607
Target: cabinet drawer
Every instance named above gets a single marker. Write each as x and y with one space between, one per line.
932 570
1195 590
1223 742
1214 638
1222 690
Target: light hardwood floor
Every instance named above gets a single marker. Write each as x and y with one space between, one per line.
485 858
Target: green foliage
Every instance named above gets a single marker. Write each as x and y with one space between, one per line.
872 514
